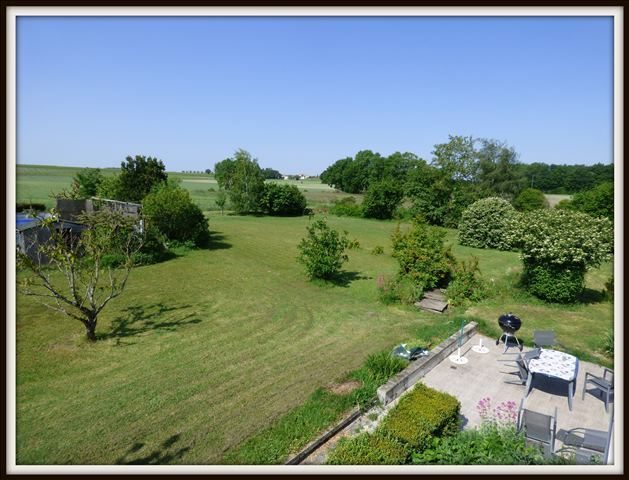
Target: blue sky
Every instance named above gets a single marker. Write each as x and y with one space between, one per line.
301 93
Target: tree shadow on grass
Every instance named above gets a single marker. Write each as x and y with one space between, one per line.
138 319
215 241
589 296
344 279
164 454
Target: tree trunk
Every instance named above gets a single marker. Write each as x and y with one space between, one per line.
90 330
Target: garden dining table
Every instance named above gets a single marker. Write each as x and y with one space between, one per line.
556 366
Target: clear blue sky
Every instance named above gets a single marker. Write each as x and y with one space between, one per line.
301 93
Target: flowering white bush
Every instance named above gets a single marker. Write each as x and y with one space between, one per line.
562 237
489 223
558 246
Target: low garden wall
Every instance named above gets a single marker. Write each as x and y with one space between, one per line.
417 369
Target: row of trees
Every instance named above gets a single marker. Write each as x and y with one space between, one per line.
244 181
463 170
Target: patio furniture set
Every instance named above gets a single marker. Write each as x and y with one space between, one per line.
542 362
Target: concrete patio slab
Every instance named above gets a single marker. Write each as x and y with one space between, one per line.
485 375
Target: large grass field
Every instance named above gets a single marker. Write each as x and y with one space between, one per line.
38 184
205 350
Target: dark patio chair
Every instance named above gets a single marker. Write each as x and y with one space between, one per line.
545 338
539 429
604 384
586 444
522 362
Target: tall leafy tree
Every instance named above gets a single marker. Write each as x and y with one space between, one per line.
224 173
138 176
247 184
498 170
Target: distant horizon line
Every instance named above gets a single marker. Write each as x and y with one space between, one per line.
294 173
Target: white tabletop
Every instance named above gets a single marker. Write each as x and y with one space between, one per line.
555 364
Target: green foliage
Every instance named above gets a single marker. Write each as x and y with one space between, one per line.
377 250
558 246
598 202
87 181
490 444
609 289
566 178
323 251
171 210
403 290
381 199
563 237
422 414
353 244
608 342
346 207
467 284
138 176
369 449
246 186
382 366
221 200
499 172
421 255
271 174
530 199
224 173
110 188
554 283
29 207
283 200
489 223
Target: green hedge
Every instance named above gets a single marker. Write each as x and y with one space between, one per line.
369 449
422 414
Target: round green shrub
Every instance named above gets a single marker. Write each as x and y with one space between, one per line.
598 202
530 199
369 449
283 200
171 210
467 284
554 283
488 223
346 207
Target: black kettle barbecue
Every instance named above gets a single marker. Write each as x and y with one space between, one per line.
509 324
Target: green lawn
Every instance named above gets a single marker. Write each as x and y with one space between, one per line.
207 350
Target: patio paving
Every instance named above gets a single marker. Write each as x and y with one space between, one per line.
485 375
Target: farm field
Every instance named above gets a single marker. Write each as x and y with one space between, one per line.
35 183
205 350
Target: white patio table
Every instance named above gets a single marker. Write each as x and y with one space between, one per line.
555 365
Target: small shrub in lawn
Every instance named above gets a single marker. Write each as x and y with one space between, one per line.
346 207
323 250
387 290
422 255
488 223
353 244
468 284
369 449
377 250
422 414
382 366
